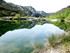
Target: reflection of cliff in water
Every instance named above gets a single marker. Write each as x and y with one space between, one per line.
11 25
63 25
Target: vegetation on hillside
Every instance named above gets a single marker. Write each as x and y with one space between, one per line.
62 14
10 9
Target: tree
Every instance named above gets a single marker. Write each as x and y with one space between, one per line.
13 14
17 15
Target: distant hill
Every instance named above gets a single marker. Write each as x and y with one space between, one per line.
10 9
62 14
42 13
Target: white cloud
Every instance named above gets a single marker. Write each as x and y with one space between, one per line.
45 5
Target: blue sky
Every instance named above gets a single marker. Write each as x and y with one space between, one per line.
43 5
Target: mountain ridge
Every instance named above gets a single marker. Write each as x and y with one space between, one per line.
22 10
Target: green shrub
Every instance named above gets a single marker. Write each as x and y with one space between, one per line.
55 40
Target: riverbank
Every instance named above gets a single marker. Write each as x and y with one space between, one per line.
35 19
55 44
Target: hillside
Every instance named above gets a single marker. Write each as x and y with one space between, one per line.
42 13
10 9
21 10
62 14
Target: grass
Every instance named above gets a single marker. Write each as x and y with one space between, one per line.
57 42
38 47
61 42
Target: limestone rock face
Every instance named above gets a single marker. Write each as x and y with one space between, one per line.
23 10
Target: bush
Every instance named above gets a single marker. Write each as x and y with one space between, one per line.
55 40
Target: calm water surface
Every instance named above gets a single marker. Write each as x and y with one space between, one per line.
21 40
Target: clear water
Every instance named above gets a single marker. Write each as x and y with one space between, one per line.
21 40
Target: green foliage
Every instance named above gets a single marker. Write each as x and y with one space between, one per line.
68 17
17 16
63 14
13 14
10 9
4 12
54 40
11 25
65 44
26 16
66 39
62 25
38 46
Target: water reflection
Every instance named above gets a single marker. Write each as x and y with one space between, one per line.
12 25
18 41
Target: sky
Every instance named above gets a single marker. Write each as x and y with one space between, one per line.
49 6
